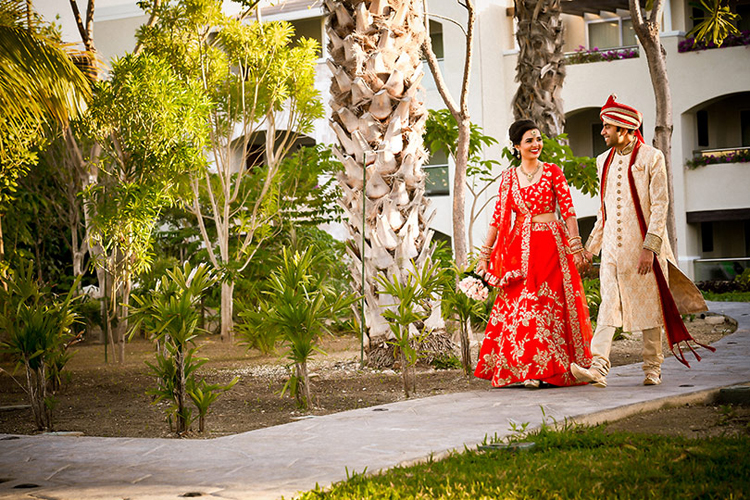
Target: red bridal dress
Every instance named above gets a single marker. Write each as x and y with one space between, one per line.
540 323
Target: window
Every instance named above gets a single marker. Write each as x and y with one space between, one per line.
702 123
309 28
255 156
436 34
611 33
707 236
437 182
745 126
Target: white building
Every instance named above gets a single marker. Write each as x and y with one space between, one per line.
710 103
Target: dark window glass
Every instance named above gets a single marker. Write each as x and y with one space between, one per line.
309 28
707 236
745 126
702 123
438 180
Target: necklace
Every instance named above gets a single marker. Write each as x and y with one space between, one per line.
530 177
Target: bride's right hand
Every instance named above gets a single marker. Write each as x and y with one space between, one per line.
481 267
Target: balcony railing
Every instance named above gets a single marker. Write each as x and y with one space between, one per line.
583 55
692 45
704 157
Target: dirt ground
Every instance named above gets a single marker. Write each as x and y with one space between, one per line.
101 399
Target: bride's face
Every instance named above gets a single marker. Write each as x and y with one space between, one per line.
530 146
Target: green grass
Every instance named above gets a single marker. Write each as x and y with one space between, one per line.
577 463
727 296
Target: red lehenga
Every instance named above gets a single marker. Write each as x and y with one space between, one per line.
540 323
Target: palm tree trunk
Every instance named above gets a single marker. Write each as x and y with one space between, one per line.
379 122
541 64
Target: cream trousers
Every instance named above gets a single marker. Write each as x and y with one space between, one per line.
601 345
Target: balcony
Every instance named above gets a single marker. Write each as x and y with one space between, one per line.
583 55
717 179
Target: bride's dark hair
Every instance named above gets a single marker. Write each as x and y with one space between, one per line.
518 128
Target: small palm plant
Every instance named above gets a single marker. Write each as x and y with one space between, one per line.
415 295
458 302
299 309
38 328
170 316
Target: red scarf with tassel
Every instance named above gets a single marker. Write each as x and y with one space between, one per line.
673 324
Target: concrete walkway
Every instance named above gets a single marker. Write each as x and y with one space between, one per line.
286 459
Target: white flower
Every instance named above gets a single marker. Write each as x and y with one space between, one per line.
473 288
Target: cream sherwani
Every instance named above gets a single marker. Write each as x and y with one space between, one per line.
631 300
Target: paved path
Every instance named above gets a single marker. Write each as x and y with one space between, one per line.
286 459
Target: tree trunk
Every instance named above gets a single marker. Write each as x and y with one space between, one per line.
465 352
379 122
459 193
460 113
227 306
407 375
179 391
541 64
2 255
648 35
303 388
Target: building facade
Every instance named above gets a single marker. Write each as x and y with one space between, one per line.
710 104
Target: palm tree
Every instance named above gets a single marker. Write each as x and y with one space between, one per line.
379 121
39 87
541 64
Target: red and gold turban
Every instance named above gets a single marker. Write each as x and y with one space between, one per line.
620 115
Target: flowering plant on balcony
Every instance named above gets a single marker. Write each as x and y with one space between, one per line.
692 45
737 156
583 55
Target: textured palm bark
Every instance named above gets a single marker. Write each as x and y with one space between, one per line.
379 118
648 35
540 71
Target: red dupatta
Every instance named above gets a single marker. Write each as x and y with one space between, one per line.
673 324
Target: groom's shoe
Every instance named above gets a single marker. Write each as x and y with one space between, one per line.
596 375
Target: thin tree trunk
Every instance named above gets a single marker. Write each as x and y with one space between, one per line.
459 193
648 35
303 377
180 391
460 112
465 352
2 255
227 306
407 375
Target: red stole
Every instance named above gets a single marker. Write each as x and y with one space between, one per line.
673 324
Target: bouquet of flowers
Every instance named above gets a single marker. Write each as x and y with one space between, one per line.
474 287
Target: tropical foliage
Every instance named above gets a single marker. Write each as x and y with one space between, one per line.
261 94
415 297
169 316
298 308
152 126
37 327
717 23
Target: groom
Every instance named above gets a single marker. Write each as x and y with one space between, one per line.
630 232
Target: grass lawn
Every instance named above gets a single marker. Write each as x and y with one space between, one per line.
575 463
